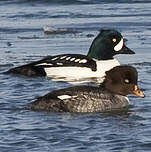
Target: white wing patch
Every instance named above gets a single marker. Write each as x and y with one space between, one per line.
43 64
54 58
72 59
62 97
83 61
59 63
59 60
119 46
77 60
68 58
63 57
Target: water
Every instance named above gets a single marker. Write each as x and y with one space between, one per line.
23 40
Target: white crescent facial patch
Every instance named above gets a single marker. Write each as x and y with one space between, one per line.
119 46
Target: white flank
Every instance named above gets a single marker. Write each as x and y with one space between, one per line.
83 61
81 72
119 46
62 97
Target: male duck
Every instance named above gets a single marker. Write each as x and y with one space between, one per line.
111 95
98 60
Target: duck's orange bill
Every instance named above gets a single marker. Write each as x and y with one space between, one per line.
138 92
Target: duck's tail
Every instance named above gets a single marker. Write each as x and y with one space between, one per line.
27 70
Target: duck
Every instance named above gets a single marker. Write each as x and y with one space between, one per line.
108 42
110 96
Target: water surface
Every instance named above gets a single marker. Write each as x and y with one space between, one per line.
23 40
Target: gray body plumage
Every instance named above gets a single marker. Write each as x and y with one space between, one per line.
80 99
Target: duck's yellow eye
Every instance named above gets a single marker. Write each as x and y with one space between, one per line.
114 40
127 81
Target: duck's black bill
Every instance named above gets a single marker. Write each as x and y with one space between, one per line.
126 50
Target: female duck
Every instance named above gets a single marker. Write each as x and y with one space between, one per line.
111 95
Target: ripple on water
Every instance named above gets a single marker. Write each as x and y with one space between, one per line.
25 130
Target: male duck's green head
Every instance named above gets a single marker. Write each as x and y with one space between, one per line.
107 44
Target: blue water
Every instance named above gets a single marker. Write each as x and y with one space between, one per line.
22 40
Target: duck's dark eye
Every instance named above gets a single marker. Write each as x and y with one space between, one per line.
127 81
114 40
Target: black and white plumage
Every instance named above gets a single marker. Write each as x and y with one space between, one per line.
49 65
66 60
111 95
76 66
